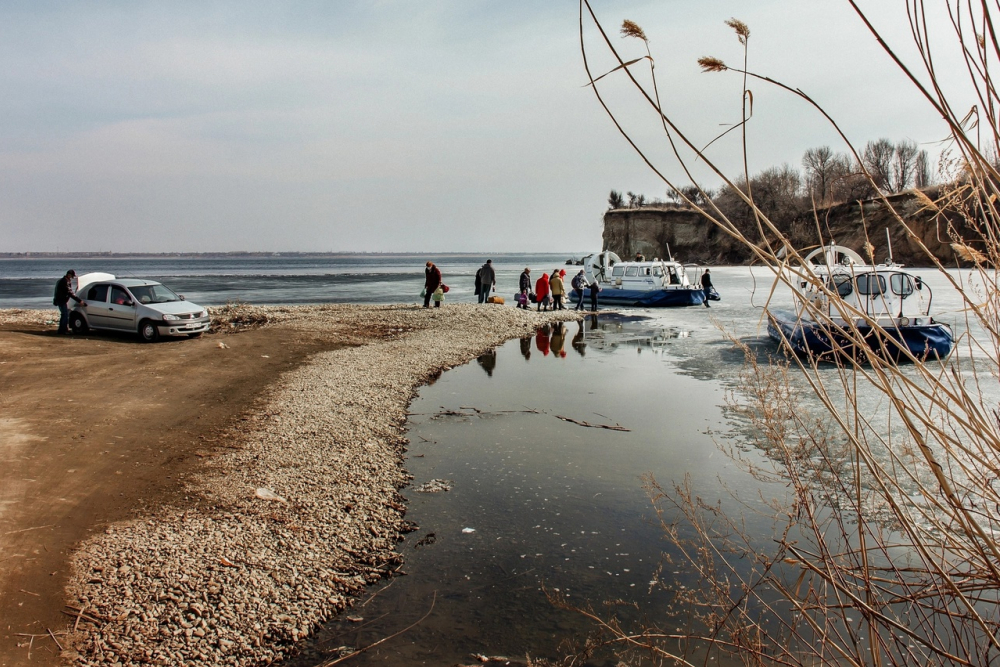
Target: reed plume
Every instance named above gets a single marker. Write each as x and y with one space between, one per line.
632 29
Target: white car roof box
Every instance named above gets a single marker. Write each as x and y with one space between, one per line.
90 278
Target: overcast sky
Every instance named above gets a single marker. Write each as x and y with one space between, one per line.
392 125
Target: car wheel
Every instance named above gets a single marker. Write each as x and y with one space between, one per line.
148 331
78 323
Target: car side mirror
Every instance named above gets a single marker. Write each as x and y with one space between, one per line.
129 303
181 296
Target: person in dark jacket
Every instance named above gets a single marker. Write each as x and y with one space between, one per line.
706 284
432 280
487 280
64 292
594 289
579 286
524 286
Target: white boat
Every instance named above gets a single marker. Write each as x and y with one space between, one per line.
655 284
866 299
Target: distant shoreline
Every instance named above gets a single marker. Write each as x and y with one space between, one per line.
238 253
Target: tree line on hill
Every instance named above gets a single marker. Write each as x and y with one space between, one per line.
784 193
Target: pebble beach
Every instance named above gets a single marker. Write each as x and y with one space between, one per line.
300 510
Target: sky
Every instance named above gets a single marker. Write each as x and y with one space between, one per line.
398 126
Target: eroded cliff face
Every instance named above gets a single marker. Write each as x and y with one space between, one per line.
692 238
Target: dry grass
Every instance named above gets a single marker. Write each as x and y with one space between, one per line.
885 547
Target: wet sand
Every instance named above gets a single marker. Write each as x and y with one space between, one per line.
140 480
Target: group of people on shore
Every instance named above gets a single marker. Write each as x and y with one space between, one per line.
549 290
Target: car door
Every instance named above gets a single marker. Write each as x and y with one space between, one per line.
121 309
96 309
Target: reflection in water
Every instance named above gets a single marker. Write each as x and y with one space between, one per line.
559 339
488 360
542 340
578 342
526 347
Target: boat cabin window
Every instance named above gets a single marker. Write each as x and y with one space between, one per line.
842 283
646 271
618 271
901 284
871 283
657 271
98 293
631 270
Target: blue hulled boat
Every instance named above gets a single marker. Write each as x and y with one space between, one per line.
843 306
655 284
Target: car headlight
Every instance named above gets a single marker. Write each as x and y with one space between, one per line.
203 313
169 317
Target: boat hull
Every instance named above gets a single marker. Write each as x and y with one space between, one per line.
803 336
656 298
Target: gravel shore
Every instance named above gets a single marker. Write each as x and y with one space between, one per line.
283 529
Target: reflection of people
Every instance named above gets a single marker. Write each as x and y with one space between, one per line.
526 348
487 280
64 292
488 360
542 340
578 343
594 289
432 280
706 284
559 339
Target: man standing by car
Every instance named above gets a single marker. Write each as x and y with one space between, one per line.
487 280
64 292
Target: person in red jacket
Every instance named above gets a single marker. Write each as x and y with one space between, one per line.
542 291
432 280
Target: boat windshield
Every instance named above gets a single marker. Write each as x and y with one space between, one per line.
618 271
901 284
871 283
153 294
842 283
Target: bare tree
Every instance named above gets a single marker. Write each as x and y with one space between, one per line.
776 194
615 200
819 163
877 158
921 170
903 165
635 200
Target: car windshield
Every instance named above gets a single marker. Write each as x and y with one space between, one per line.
153 294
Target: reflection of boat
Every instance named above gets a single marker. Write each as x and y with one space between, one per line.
864 296
659 283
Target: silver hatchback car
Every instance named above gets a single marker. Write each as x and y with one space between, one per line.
140 306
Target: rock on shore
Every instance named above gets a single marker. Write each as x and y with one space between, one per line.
282 531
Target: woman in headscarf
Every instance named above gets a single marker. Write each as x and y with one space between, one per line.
542 291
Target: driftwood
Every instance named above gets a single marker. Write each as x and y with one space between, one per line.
610 427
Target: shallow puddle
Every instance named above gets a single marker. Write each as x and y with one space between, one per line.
538 502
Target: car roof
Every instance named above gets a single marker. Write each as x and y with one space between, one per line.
133 282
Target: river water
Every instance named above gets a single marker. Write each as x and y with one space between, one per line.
539 505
